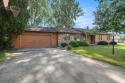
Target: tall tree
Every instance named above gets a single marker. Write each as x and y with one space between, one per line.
10 25
39 11
65 12
110 15
87 27
54 13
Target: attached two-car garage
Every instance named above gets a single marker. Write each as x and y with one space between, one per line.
37 37
35 40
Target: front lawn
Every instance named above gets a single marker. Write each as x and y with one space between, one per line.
3 56
104 53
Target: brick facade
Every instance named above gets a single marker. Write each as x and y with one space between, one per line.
104 38
62 40
72 38
95 39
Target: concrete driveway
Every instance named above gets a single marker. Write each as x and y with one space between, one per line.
50 65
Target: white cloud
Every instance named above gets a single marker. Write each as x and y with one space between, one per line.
87 19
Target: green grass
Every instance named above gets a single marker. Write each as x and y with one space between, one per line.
3 56
104 53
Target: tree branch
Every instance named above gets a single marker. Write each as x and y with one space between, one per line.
1 4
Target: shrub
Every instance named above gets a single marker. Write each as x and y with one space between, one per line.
83 43
1 47
115 43
69 47
64 44
74 44
8 45
103 43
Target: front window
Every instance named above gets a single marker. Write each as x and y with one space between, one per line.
99 37
77 37
108 37
66 37
83 38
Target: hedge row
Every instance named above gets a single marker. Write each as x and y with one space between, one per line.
84 43
106 43
75 44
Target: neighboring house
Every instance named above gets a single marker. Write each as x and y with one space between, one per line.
35 37
117 38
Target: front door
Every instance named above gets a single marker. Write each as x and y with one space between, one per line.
92 39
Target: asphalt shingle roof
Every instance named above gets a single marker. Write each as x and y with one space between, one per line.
66 30
40 29
61 30
52 29
83 30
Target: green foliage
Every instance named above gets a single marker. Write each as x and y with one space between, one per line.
3 56
83 43
94 31
87 27
103 43
123 38
1 47
12 26
64 13
8 45
64 44
103 53
61 13
54 13
74 44
115 43
38 11
110 15
69 47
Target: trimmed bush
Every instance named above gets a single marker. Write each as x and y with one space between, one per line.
83 43
64 44
74 44
115 43
103 43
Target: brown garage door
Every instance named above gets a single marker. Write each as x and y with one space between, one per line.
31 41
35 40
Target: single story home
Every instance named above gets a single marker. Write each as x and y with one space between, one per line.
34 37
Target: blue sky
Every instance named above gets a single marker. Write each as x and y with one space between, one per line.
88 7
